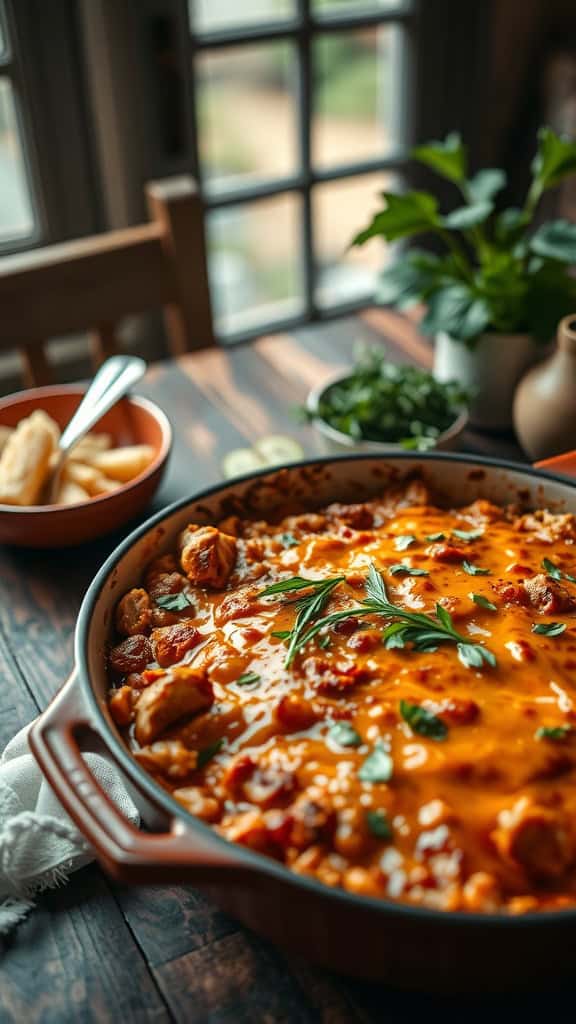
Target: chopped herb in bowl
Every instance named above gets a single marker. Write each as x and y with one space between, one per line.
385 403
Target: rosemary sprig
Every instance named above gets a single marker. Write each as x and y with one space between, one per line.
309 606
423 631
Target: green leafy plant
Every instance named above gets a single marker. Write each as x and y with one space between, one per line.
381 401
497 273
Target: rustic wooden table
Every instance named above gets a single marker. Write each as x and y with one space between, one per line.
97 951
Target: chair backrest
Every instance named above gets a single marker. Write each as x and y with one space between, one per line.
92 283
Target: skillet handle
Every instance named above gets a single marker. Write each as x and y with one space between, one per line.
127 853
565 464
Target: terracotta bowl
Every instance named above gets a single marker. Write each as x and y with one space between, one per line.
131 421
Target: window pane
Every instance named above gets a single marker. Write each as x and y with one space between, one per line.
210 15
355 93
247 114
328 7
254 251
340 210
16 219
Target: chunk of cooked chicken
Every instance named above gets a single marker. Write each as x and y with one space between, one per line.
134 612
172 642
533 838
207 555
548 596
179 693
132 655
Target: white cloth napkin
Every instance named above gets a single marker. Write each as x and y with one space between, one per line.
39 844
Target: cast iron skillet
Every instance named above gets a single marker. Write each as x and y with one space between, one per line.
407 946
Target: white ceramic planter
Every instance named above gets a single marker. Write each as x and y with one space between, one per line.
489 370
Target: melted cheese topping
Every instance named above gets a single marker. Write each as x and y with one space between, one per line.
479 811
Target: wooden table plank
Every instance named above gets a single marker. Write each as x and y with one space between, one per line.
97 951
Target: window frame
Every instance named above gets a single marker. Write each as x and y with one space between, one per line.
301 31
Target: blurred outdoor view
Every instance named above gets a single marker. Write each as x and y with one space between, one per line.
248 115
16 219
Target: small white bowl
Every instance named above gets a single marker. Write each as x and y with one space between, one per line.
334 442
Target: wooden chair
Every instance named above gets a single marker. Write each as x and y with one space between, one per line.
92 283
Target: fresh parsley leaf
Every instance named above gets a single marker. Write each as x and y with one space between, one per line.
404 541
247 679
174 602
405 570
206 755
474 655
474 570
555 572
375 586
344 735
281 634
436 536
309 607
378 824
549 628
378 766
288 585
422 721
483 602
288 540
468 534
555 733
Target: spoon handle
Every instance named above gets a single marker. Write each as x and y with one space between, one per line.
114 378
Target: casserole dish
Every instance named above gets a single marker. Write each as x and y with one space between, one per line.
405 945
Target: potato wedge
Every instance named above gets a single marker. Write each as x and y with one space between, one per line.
70 493
5 433
24 462
124 464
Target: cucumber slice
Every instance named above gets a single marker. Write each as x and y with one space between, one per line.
277 449
240 461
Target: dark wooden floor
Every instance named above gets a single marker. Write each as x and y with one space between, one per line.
97 951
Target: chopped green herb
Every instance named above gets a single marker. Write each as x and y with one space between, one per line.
378 766
422 721
404 541
483 602
281 634
474 656
247 679
549 628
474 570
288 540
436 536
468 534
206 755
406 570
324 642
344 735
556 733
174 602
378 824
555 572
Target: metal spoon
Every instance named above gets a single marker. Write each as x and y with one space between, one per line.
114 378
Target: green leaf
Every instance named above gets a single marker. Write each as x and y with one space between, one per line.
378 824
344 735
406 281
456 310
468 534
407 214
474 570
324 642
378 766
422 721
405 570
288 540
555 733
549 628
444 617
404 541
375 586
486 184
281 634
509 224
474 656
556 240
436 536
206 755
447 158
555 572
555 159
248 678
467 216
483 602
285 586
174 602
